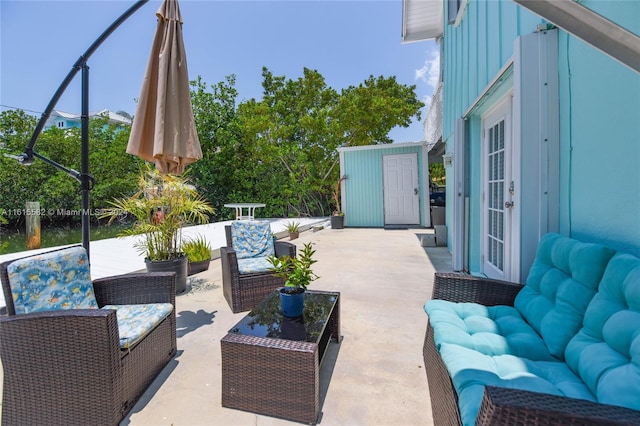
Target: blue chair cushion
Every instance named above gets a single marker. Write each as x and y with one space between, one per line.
137 321
562 281
492 330
253 265
252 239
606 351
471 371
52 281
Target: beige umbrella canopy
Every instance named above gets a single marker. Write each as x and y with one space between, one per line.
164 130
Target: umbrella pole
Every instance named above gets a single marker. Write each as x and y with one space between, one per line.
85 177
86 181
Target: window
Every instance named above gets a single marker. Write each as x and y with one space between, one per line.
452 10
60 124
455 10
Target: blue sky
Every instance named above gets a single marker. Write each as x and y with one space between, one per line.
346 41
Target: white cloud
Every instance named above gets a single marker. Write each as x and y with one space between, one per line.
430 71
429 74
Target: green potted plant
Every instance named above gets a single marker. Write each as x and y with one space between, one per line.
337 217
160 208
198 251
294 229
297 274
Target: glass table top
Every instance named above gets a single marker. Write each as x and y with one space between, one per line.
266 319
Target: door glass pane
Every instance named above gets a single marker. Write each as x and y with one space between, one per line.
495 204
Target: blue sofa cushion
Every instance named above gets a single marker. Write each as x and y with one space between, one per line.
561 283
471 371
135 322
252 239
606 351
492 330
254 265
51 281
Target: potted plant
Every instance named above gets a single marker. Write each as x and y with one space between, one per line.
198 251
298 275
294 229
160 208
337 217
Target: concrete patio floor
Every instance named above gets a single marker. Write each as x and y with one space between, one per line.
375 376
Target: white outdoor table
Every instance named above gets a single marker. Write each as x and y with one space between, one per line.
251 210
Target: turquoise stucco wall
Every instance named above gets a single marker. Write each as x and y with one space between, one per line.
364 195
599 107
600 138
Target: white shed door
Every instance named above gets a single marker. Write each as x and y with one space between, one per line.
401 191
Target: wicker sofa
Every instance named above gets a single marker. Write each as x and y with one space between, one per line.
562 349
68 366
245 289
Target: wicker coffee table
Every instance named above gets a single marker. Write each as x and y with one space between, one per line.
271 364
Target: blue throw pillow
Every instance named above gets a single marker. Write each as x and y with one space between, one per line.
52 281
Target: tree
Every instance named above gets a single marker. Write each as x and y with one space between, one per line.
216 174
296 128
437 173
53 189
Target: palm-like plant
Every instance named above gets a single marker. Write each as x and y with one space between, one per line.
162 205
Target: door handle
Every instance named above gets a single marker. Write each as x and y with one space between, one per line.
508 204
415 191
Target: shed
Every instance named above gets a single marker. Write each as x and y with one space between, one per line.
385 185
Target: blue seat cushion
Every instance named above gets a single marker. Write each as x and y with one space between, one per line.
471 371
491 330
252 239
135 322
562 281
253 265
51 281
606 351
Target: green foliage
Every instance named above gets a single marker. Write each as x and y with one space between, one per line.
437 173
224 164
295 270
53 189
3 244
293 226
162 205
197 249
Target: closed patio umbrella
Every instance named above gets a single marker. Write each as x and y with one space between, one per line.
163 130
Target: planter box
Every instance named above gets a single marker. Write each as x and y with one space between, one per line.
197 267
179 266
337 222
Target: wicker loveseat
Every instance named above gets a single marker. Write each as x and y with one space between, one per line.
76 352
562 349
246 278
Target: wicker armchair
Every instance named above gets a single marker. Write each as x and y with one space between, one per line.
503 406
243 291
67 367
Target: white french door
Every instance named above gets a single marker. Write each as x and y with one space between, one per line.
498 191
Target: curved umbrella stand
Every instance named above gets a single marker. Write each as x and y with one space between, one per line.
85 179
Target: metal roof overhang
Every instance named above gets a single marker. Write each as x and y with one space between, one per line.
421 20
589 26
